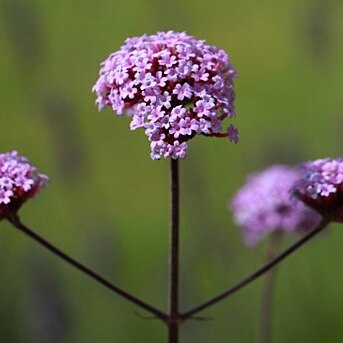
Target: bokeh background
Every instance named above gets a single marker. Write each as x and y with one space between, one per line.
107 203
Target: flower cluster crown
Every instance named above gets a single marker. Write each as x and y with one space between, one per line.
173 86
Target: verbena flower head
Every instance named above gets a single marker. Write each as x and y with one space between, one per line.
173 86
321 187
264 205
19 181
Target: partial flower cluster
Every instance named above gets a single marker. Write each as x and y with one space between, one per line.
321 187
174 87
264 205
19 180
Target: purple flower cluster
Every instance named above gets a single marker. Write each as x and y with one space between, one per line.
264 205
19 181
321 187
174 87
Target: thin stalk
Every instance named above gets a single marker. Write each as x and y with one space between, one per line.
254 276
173 323
14 219
268 290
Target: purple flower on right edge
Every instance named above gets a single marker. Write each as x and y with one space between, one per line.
321 187
264 205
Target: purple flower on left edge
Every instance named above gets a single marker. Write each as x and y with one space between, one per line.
264 205
173 86
19 181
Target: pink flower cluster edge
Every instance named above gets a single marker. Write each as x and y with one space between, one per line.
19 181
321 187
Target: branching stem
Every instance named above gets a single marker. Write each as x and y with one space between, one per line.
245 282
14 219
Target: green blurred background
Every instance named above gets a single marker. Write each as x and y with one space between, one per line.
107 203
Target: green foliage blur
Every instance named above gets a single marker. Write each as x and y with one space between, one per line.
108 204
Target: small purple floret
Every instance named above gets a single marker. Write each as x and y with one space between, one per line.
264 205
173 86
232 133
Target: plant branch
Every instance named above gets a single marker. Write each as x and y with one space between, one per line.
14 219
258 273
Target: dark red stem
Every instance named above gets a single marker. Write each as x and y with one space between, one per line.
258 273
173 323
14 219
